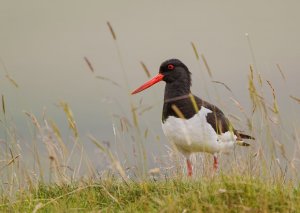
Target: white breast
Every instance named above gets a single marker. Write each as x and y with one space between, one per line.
196 135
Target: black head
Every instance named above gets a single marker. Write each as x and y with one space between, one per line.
174 73
175 70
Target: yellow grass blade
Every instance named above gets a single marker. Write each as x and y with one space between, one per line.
87 61
58 136
109 80
11 80
177 111
145 69
206 65
34 120
3 104
111 30
113 159
275 105
296 99
195 50
219 82
281 72
134 115
194 103
145 109
70 117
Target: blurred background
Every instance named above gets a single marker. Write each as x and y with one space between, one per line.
46 48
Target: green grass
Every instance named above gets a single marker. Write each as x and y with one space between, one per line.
217 194
269 162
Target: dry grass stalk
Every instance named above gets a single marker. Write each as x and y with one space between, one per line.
34 120
111 31
234 117
134 115
255 97
195 51
281 72
11 80
142 151
111 156
251 48
108 79
295 99
145 69
146 132
196 108
227 87
125 122
241 108
12 160
177 111
89 64
57 133
275 105
3 104
145 109
206 65
70 117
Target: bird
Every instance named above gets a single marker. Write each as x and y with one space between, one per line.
190 123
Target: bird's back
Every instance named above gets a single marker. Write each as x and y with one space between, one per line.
196 125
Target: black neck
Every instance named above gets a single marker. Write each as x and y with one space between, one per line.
177 88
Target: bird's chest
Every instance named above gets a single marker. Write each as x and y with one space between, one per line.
193 134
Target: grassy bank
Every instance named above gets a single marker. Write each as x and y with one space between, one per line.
45 172
217 194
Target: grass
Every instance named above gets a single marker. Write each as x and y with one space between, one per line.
265 178
217 194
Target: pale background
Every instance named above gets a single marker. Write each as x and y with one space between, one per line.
42 45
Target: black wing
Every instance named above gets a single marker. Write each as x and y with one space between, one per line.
219 121
215 118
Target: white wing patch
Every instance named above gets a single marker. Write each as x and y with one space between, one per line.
196 134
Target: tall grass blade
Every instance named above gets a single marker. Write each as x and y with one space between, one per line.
58 137
196 108
111 31
11 80
145 109
251 48
70 117
142 151
219 82
195 50
281 72
177 111
275 105
3 105
34 120
295 99
12 160
87 61
145 69
109 80
206 65
113 159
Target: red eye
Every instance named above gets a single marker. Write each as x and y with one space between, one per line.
170 67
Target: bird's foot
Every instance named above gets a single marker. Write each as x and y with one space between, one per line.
189 167
216 163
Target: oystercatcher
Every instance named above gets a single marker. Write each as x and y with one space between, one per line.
189 122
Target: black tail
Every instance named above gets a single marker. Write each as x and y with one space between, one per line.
241 135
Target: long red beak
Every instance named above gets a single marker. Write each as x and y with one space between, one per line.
149 83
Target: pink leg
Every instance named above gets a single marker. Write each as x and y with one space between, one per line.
216 163
189 167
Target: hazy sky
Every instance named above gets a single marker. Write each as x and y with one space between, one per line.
42 44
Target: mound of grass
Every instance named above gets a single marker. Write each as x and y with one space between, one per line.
57 157
218 194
